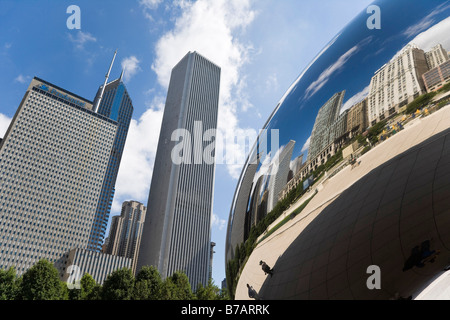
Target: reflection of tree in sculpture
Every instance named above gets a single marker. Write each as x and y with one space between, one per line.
419 256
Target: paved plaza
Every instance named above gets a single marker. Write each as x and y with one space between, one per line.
382 212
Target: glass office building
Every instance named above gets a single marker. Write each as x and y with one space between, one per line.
115 104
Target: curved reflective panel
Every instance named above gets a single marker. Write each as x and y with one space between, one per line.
341 162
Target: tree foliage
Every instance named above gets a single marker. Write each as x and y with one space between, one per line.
177 287
148 285
90 290
119 285
8 284
41 282
420 102
210 292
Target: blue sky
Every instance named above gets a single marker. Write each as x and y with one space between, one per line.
262 46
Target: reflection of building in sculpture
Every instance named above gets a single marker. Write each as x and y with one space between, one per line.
348 124
396 84
338 131
393 86
256 211
436 56
437 77
295 166
327 115
245 221
371 214
309 166
126 231
357 121
279 175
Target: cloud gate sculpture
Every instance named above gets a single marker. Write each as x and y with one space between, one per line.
354 200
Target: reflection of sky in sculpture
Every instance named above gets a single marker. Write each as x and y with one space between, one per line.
348 63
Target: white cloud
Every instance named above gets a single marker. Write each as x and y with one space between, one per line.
211 28
360 96
81 39
130 66
325 75
4 124
242 95
420 26
293 85
426 22
149 5
207 27
306 145
217 222
434 35
272 82
138 157
22 79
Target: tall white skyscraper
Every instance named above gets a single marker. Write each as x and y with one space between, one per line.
176 234
53 161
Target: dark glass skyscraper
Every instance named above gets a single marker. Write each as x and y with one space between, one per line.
115 104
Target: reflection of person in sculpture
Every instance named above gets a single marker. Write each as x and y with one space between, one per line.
420 255
251 292
266 268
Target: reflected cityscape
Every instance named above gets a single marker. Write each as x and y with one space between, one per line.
351 116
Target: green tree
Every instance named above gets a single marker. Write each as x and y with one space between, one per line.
119 285
177 287
148 285
210 292
41 282
361 139
90 290
8 284
65 294
445 88
420 102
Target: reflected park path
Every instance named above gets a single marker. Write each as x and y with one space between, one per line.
373 214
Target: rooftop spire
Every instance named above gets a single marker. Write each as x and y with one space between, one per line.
121 75
97 104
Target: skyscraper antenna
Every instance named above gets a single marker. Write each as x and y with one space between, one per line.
97 104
